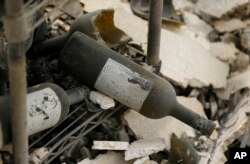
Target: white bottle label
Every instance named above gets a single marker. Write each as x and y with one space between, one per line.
44 110
122 84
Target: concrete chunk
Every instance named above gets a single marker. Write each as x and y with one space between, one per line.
144 160
108 158
38 155
93 5
183 5
110 145
235 84
144 147
197 25
229 25
224 51
99 98
236 125
217 8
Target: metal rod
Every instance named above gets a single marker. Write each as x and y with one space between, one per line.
154 32
17 78
15 34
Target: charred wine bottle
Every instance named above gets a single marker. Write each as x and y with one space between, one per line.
47 105
126 81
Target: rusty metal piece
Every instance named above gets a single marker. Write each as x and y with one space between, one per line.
99 25
182 152
141 9
154 33
125 81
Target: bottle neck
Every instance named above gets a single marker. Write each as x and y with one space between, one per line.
76 95
193 119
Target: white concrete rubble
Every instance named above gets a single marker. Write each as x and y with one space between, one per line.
94 5
235 83
229 25
144 148
108 158
183 5
197 25
241 63
38 155
236 125
144 160
224 51
110 145
102 100
217 8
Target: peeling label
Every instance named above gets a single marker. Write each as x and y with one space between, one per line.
123 84
44 110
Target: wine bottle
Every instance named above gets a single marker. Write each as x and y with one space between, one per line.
127 82
47 105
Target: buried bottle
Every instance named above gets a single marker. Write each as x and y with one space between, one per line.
126 81
47 105
98 25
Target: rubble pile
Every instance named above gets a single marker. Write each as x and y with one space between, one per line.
204 54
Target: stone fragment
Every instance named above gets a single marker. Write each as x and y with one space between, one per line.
183 5
245 39
224 51
37 156
144 148
229 25
108 158
102 100
94 5
110 145
236 125
197 25
144 160
217 8
241 62
235 83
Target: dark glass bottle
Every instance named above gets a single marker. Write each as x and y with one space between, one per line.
126 81
47 105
